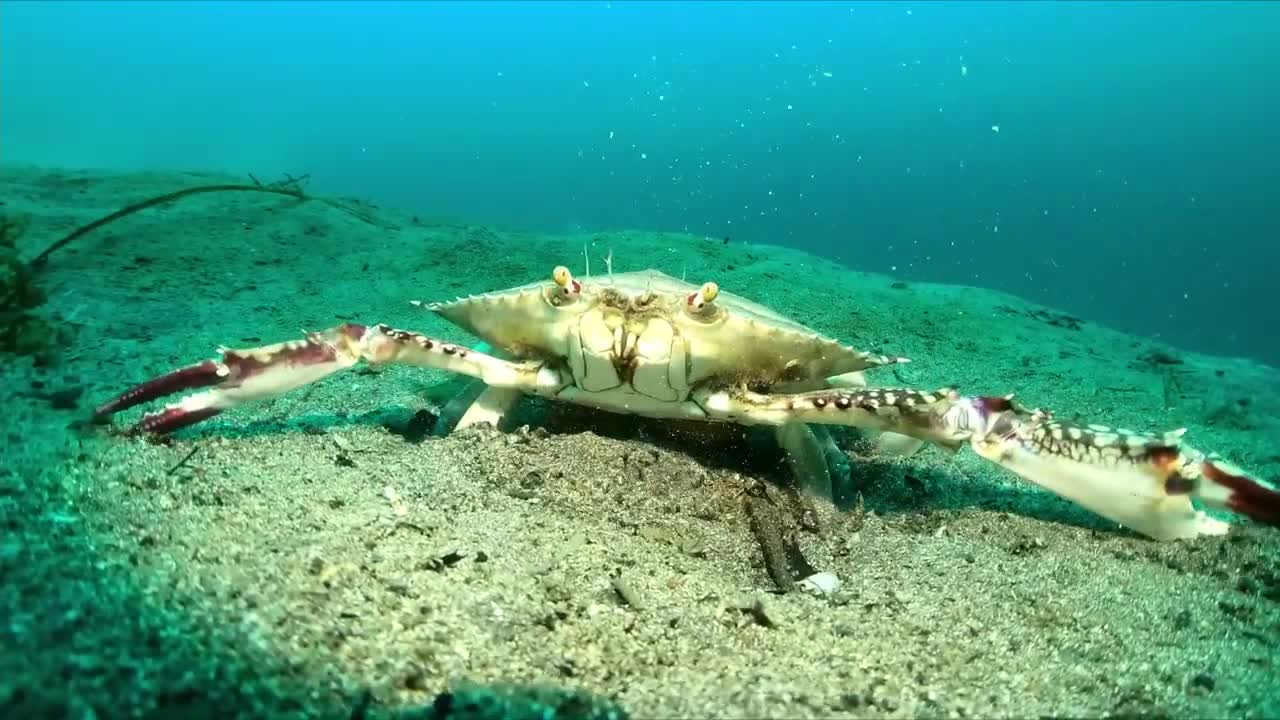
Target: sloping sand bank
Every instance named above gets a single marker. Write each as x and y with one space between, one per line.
284 559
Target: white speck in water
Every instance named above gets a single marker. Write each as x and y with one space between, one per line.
789 106
995 128
610 134
644 156
964 70
586 84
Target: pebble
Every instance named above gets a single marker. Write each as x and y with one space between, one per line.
625 592
1203 680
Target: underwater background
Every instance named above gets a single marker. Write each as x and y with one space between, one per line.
1074 202
1115 160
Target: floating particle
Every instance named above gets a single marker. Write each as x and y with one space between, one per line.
826 74
789 106
995 128
964 70
644 156
610 134
586 84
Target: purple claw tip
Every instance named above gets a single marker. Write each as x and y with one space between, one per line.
193 376
166 421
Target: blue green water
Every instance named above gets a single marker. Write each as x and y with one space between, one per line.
1115 160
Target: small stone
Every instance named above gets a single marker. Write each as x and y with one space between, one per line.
625 592
693 547
415 679
1182 620
852 701
654 533
759 613
1203 681
821 584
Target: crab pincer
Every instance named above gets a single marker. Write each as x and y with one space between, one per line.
1142 481
238 376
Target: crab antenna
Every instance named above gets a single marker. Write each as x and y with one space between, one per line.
564 279
704 296
608 263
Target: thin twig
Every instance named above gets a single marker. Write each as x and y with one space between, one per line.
184 460
291 187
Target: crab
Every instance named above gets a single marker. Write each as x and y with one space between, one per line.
647 344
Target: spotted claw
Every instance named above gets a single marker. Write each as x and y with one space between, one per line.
1145 482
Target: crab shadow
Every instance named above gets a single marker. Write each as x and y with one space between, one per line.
888 486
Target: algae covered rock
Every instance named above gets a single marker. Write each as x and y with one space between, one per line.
22 330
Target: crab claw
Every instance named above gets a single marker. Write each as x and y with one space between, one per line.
1143 482
239 376
202 374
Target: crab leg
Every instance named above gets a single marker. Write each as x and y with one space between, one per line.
240 376
942 417
1144 482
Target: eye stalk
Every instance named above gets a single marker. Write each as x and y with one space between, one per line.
564 279
703 297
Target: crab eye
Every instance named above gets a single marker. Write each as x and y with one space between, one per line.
566 288
703 297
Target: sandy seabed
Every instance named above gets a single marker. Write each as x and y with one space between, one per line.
290 558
